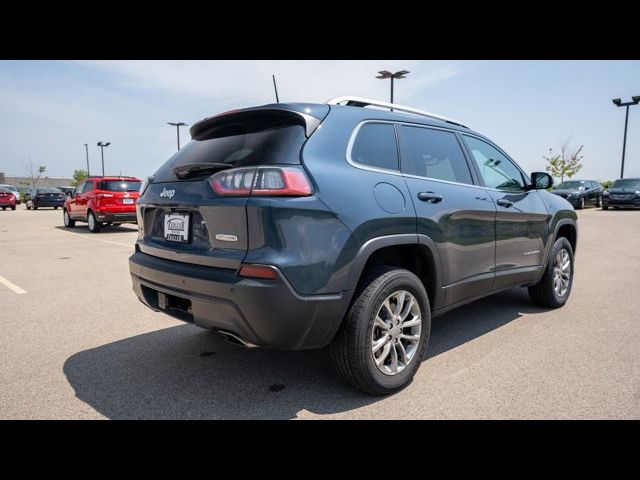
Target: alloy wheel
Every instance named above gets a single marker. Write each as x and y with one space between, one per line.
561 273
396 332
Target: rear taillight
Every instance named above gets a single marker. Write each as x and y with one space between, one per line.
265 181
104 195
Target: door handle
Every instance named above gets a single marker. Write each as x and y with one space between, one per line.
430 197
503 202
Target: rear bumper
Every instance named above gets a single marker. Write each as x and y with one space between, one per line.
49 203
266 313
127 217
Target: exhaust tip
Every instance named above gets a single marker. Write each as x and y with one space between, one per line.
235 339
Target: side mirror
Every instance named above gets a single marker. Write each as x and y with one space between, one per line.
541 181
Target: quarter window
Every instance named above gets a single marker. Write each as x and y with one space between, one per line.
433 153
375 145
496 169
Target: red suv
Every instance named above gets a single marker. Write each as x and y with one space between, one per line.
103 200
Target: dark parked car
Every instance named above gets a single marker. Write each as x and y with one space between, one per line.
580 193
297 226
44 197
624 193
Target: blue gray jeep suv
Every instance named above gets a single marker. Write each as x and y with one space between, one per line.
299 226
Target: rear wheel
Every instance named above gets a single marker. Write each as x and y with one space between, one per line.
580 204
555 286
68 221
94 225
4 208
385 334
55 208
605 207
13 207
598 201
34 206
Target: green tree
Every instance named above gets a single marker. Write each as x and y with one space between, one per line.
605 184
566 163
35 175
78 176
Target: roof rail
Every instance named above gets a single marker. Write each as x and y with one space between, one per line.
363 102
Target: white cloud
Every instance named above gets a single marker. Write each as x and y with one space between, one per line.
244 83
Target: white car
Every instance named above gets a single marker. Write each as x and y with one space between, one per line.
14 190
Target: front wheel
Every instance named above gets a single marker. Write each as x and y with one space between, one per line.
605 207
94 225
580 204
555 286
385 334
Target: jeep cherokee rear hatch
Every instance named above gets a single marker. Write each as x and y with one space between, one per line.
194 207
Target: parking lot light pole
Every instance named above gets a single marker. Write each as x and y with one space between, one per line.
618 103
384 74
102 145
178 125
86 147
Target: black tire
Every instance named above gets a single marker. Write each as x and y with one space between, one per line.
580 205
616 208
66 218
116 224
4 208
599 202
13 207
605 207
34 206
55 208
28 207
92 221
351 348
543 293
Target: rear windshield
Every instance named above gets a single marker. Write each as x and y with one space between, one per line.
627 183
119 186
246 143
568 185
49 190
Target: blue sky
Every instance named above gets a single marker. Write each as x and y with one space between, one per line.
49 109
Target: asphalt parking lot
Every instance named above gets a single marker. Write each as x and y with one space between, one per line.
76 343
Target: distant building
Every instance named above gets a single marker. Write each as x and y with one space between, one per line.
24 183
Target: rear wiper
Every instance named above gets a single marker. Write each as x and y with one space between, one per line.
186 171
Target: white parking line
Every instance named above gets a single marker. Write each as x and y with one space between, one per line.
130 245
11 286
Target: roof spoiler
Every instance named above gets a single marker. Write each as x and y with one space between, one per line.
308 115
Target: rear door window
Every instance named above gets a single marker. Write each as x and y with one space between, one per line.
375 146
432 153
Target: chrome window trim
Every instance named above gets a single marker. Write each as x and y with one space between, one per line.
363 166
399 173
